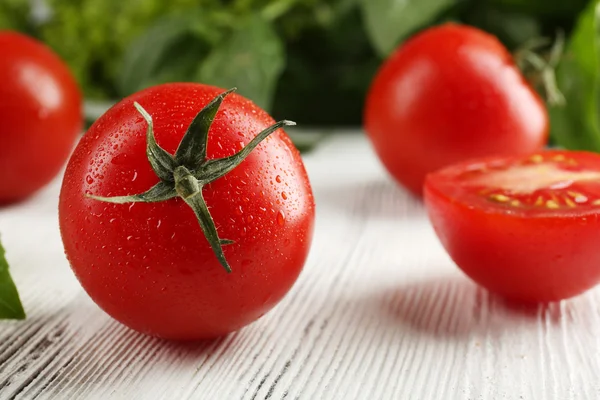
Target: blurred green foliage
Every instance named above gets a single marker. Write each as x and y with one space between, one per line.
577 124
307 60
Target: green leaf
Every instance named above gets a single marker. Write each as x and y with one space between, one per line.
543 8
389 21
325 72
170 50
576 125
15 15
10 304
512 28
251 59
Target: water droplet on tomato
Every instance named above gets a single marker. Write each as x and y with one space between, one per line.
119 159
278 179
284 195
89 179
239 210
134 176
280 218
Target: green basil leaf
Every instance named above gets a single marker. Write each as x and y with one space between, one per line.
389 21
543 8
251 59
14 15
170 50
511 28
576 125
10 303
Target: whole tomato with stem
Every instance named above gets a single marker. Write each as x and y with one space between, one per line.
524 227
450 93
186 212
40 115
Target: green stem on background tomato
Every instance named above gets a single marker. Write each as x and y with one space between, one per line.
540 69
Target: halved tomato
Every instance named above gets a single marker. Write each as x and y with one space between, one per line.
527 228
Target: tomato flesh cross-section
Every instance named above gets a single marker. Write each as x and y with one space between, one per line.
527 228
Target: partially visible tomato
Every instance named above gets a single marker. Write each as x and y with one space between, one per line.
527 228
40 115
149 265
449 94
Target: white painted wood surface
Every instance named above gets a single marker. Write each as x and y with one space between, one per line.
379 312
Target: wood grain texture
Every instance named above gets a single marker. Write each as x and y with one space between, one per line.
379 312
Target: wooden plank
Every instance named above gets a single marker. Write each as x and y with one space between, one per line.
379 312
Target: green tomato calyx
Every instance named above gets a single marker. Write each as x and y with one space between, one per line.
186 173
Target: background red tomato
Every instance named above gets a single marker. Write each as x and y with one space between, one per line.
449 94
149 264
526 228
40 115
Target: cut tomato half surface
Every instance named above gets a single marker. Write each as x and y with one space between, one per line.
527 228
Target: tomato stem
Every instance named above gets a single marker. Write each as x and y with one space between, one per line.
185 173
186 185
540 69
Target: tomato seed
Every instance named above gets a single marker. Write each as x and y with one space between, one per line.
570 202
499 198
539 201
536 158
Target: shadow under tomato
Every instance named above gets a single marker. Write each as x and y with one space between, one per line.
382 199
454 307
91 349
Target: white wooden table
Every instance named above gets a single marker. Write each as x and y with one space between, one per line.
379 312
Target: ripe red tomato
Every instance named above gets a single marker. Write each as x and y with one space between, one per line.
40 115
449 94
526 228
149 265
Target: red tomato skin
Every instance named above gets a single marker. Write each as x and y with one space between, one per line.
534 259
40 115
148 264
449 94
